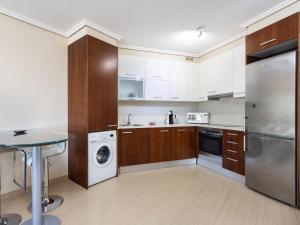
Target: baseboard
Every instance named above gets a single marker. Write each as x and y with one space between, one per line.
18 192
217 168
159 165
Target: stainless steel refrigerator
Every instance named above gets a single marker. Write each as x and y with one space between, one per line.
271 127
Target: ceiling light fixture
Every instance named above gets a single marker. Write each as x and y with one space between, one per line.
200 31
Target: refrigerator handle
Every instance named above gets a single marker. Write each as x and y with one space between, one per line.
245 139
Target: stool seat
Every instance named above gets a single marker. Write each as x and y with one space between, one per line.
47 151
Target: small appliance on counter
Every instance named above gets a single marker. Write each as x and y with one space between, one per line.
197 117
171 117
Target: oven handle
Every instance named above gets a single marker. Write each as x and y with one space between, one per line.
210 135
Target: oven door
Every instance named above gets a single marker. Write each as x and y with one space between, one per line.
210 143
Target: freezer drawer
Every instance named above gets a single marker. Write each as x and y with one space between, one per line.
270 167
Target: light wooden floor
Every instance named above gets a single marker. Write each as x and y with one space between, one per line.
176 196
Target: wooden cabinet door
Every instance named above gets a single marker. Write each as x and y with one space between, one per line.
272 35
178 81
192 77
220 74
202 81
184 143
239 71
102 85
132 66
157 90
134 146
161 148
158 69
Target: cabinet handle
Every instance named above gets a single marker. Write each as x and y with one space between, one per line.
157 97
229 150
244 143
211 92
130 74
174 97
112 125
267 42
164 131
232 134
127 132
181 130
232 142
156 76
233 160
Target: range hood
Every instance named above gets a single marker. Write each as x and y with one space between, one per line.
218 96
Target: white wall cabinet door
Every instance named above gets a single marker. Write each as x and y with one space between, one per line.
202 81
178 81
239 71
158 69
157 89
131 66
220 74
192 78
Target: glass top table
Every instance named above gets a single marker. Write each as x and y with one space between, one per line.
31 138
34 138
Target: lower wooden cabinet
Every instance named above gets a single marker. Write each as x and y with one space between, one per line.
134 146
161 146
151 145
185 143
233 151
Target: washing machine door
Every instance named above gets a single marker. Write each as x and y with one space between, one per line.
102 155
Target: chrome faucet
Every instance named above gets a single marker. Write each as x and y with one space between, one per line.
129 119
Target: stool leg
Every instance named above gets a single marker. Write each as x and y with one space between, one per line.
49 203
8 219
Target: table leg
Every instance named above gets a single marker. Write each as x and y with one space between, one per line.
37 217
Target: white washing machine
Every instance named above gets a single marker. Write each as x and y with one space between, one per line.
102 156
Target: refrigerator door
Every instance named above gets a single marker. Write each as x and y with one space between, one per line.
270 167
270 96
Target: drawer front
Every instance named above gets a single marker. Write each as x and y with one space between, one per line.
236 146
233 137
234 164
235 154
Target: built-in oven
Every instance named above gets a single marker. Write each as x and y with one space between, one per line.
211 141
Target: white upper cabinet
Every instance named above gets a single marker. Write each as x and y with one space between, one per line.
179 81
158 69
239 71
157 90
192 80
220 74
131 66
202 81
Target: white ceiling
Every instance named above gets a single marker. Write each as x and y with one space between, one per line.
159 24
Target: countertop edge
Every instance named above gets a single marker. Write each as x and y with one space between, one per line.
237 128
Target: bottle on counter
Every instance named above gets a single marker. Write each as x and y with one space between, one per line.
166 120
171 117
176 121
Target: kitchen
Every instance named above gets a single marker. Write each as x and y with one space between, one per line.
143 135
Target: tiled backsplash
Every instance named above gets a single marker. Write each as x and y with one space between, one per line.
225 111
144 112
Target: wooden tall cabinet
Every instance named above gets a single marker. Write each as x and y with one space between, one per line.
92 99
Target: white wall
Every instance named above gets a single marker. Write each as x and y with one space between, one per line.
225 111
33 86
144 112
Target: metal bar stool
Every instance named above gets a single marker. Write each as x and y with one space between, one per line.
52 202
11 218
